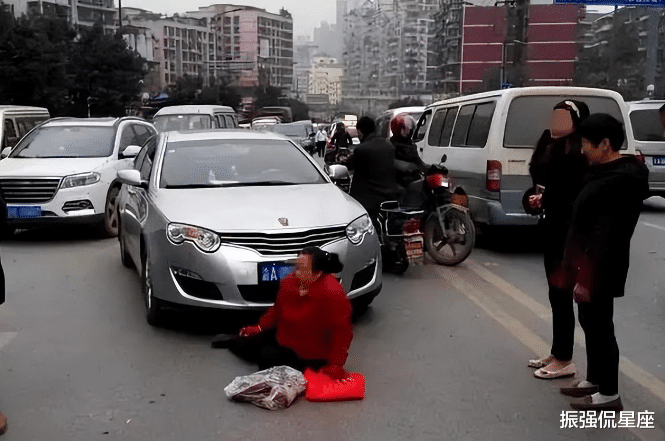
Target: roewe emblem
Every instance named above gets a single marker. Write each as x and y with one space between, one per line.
284 221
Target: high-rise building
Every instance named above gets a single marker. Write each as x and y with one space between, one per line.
81 13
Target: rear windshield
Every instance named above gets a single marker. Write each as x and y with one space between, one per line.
66 142
165 123
528 117
236 163
646 125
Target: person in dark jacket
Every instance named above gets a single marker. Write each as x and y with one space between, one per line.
308 326
409 164
558 166
597 252
373 165
3 227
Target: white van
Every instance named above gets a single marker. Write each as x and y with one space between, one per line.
16 121
488 139
195 117
648 132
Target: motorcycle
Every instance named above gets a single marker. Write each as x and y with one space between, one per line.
430 217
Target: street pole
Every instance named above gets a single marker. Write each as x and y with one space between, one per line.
119 19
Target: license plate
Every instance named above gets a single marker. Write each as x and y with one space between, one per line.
659 160
274 271
414 248
24 212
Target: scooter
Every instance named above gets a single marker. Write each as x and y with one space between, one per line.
429 217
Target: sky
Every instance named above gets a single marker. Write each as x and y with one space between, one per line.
307 14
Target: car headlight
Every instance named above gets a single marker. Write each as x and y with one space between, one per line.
80 180
357 229
205 240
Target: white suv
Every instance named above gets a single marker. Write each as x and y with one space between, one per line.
65 171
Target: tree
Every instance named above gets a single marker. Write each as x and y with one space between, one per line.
299 109
406 102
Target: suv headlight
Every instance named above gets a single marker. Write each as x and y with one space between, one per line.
357 229
80 180
205 240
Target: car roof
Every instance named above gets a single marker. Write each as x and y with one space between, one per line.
645 104
531 90
410 109
22 108
109 122
204 108
191 135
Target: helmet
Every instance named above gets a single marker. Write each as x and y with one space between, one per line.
402 125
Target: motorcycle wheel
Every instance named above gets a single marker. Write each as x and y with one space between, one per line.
460 233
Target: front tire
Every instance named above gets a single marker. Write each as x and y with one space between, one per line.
456 244
154 314
111 219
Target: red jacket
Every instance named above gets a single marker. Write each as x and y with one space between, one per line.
315 326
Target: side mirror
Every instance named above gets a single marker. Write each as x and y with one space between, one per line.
337 171
444 158
130 152
131 177
5 152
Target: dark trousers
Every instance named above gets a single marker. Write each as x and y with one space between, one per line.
596 318
263 349
563 323
320 147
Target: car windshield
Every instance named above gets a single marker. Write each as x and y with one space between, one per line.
646 125
165 123
236 163
66 142
290 131
528 116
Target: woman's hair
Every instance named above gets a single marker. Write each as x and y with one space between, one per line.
578 110
323 261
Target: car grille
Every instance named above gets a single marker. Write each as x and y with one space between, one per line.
270 244
28 191
261 293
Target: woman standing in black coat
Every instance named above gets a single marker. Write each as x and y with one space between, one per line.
557 169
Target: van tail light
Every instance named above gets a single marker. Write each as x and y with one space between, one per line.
493 179
640 157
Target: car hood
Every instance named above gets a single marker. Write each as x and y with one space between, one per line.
259 208
48 167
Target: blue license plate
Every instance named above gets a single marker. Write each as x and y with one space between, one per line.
659 160
24 212
274 271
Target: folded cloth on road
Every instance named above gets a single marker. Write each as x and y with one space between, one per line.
273 389
321 387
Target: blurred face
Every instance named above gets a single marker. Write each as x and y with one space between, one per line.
304 271
598 154
561 123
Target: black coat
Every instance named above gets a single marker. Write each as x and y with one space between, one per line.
405 150
602 225
558 165
373 165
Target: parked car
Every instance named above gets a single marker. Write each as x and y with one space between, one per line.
383 121
16 121
265 122
649 136
194 117
215 219
301 133
488 139
65 171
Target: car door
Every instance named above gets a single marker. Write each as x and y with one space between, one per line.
135 200
421 130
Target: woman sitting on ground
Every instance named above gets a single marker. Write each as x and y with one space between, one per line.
308 326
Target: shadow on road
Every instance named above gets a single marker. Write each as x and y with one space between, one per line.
56 234
511 240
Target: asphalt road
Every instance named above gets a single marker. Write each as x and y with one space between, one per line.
444 352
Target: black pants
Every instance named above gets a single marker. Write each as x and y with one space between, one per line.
320 147
263 349
602 351
563 323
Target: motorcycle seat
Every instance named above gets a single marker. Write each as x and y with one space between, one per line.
413 195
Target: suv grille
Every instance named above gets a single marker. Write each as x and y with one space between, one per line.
27 191
270 244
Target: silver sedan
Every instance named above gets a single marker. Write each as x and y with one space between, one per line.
216 219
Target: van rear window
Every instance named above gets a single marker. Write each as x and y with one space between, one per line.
528 116
646 125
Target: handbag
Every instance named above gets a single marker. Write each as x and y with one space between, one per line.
321 387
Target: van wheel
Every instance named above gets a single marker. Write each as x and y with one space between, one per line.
111 212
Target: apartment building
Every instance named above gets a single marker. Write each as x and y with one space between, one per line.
81 13
326 79
254 45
